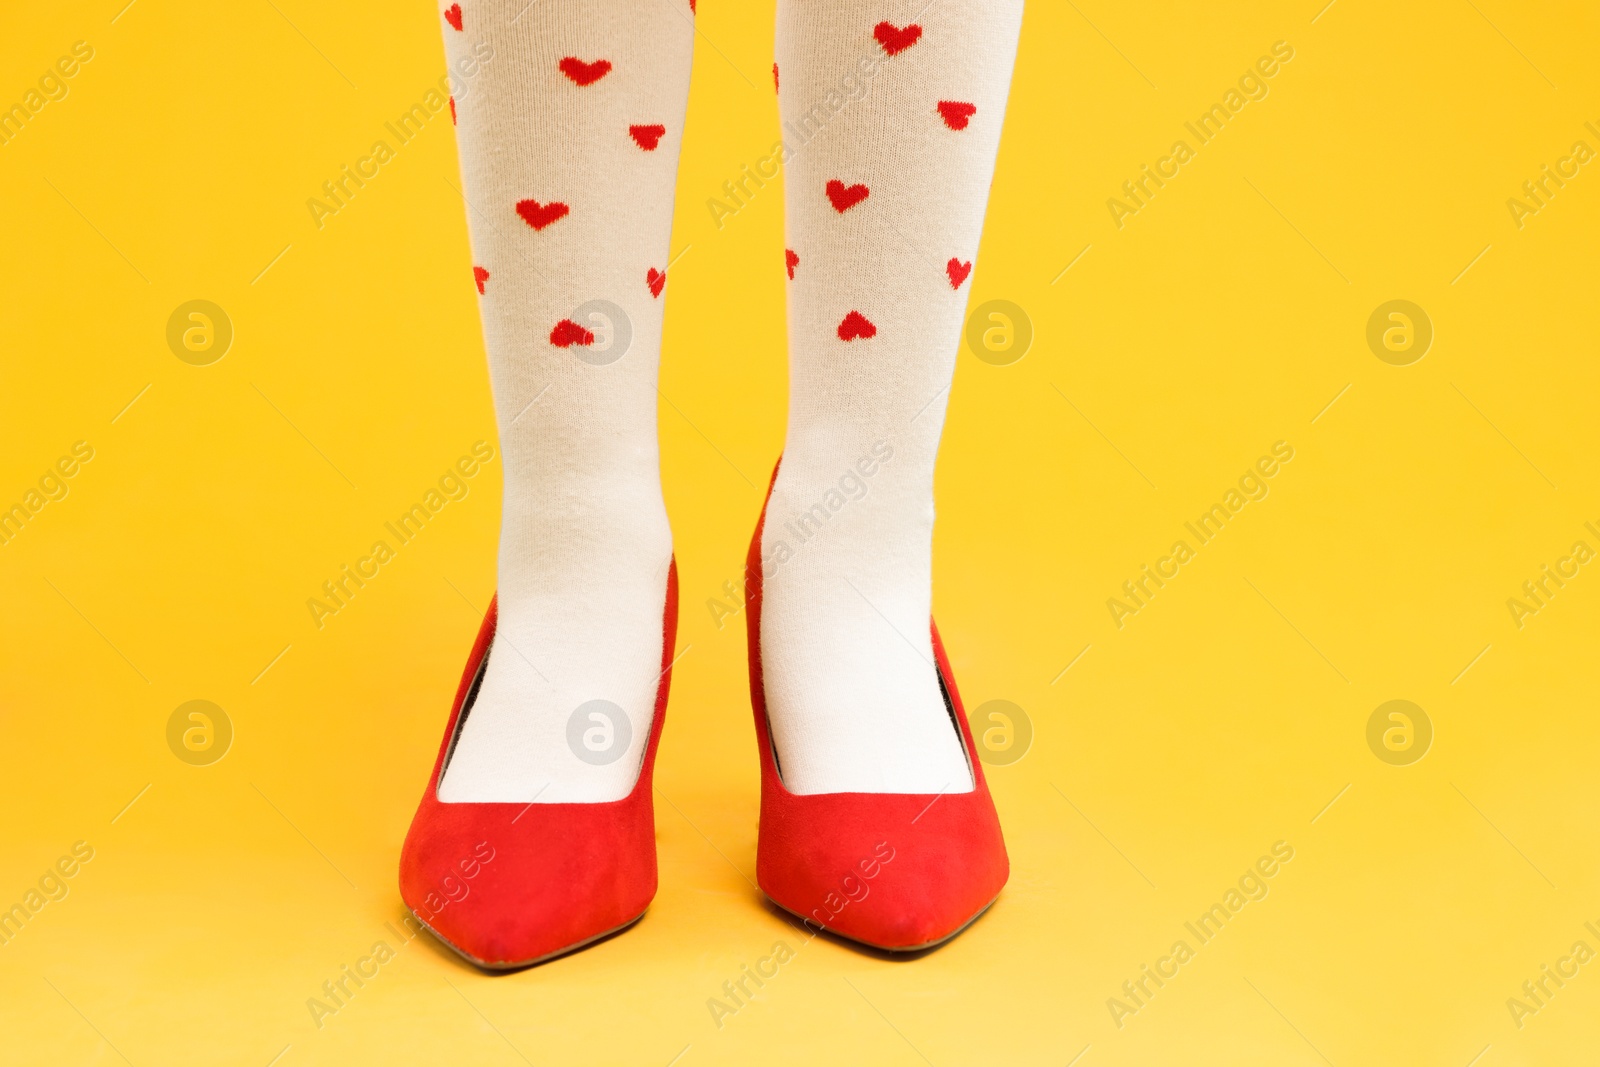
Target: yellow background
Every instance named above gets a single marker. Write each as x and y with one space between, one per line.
1225 716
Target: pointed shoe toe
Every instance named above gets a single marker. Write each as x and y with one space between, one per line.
511 885
894 871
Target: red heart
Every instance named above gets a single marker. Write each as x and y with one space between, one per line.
480 276
846 197
585 73
647 137
540 215
452 15
452 111
774 77
856 325
956 113
568 333
958 271
894 39
791 260
656 280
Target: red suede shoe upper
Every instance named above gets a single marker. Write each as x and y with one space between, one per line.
507 885
893 870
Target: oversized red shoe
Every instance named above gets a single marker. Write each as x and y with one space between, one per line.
896 871
510 885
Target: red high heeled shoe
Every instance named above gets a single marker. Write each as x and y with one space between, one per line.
895 871
510 885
